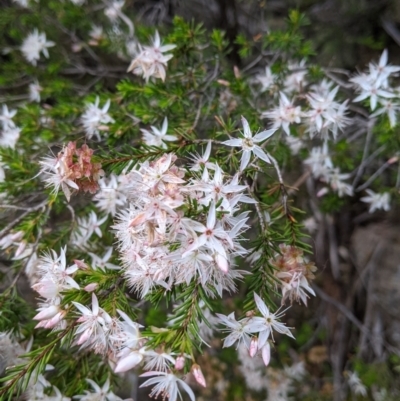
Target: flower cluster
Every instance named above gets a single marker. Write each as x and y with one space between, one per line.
374 86
151 62
294 272
55 278
159 245
73 168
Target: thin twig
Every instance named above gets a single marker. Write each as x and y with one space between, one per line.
371 125
9 226
373 176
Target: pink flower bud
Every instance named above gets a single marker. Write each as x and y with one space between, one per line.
85 336
322 192
180 362
81 264
17 236
198 375
266 353
55 320
47 313
253 346
91 287
20 248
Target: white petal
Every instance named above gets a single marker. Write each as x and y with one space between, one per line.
245 159
262 136
246 128
261 154
266 354
233 142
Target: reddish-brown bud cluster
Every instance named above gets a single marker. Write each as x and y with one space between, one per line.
80 167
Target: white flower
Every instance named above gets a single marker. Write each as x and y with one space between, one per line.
239 330
356 385
92 328
382 70
372 91
56 175
99 394
157 137
391 109
97 34
284 115
151 62
111 195
34 92
159 361
377 201
212 236
86 227
2 172
55 275
6 118
294 143
269 321
129 338
295 82
248 144
34 44
114 10
267 80
103 262
94 118
335 179
9 137
319 161
201 161
166 385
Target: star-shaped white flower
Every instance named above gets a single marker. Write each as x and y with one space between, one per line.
158 136
377 201
269 321
249 144
166 385
6 117
34 44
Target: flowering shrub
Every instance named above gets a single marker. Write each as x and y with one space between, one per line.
142 207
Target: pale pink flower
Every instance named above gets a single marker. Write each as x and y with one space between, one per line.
284 115
151 61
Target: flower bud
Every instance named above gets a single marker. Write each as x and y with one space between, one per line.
47 313
198 375
180 362
322 192
81 264
253 346
91 287
20 249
